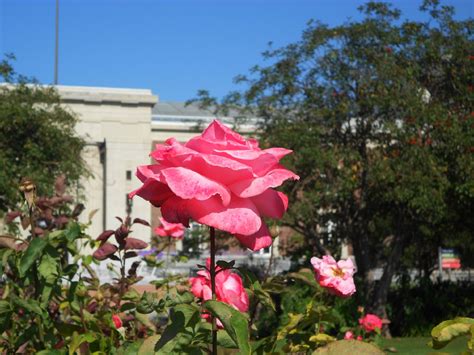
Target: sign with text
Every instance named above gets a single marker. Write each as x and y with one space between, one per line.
449 259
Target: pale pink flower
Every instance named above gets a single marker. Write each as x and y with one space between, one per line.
370 322
229 288
349 335
219 179
337 277
167 229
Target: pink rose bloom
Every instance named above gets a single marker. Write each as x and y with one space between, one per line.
117 321
219 179
349 335
335 276
229 288
173 230
359 337
370 322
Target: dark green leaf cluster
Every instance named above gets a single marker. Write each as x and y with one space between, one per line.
37 137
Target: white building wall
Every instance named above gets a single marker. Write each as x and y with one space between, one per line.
121 117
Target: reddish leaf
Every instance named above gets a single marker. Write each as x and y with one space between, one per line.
105 235
7 241
130 254
39 231
78 210
55 201
61 220
104 251
120 219
141 221
121 233
134 243
114 257
68 198
11 216
92 307
25 222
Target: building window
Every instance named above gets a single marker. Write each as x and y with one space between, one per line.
128 205
129 175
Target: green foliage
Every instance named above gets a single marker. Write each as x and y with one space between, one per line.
378 113
235 323
178 335
448 330
37 137
34 251
414 309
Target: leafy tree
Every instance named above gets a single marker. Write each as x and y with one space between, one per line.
379 115
37 137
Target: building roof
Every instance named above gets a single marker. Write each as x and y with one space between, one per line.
177 115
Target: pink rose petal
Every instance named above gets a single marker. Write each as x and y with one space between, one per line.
188 184
239 217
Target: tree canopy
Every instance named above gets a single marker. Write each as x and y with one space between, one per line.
37 137
379 113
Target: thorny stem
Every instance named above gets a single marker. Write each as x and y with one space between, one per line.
212 271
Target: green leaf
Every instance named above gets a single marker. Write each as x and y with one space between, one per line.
235 323
131 295
46 291
225 265
147 303
265 298
148 346
71 270
448 330
5 307
321 338
131 348
67 329
178 334
224 340
127 306
250 280
306 276
78 339
176 299
33 252
30 305
48 268
73 231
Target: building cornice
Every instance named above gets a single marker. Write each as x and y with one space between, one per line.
106 96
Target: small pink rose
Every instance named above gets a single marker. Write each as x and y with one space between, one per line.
359 337
167 229
370 322
117 321
336 277
349 335
229 288
219 179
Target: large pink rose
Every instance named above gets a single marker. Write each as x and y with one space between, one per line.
335 276
370 322
219 179
229 288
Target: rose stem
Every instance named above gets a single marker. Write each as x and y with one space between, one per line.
212 271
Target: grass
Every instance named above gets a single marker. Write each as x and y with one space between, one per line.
418 346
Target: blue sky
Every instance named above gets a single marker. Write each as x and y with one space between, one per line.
173 47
